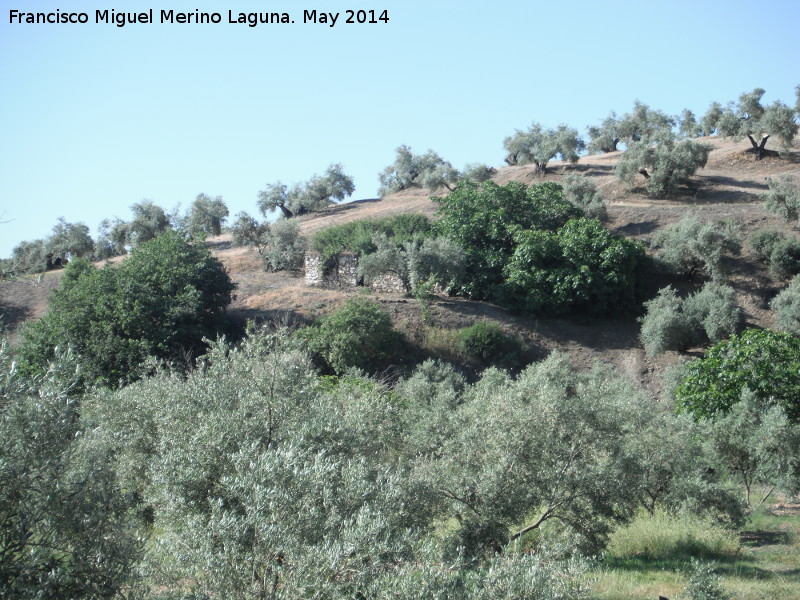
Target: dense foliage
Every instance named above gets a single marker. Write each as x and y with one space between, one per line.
765 362
360 335
65 529
409 170
674 323
358 236
690 246
484 218
580 267
161 302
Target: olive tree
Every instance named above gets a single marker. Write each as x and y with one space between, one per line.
664 162
583 193
787 307
750 118
65 529
539 146
691 246
316 193
206 215
783 198
673 323
409 170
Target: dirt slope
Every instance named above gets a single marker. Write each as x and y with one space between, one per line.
728 188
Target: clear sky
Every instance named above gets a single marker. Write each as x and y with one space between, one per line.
95 117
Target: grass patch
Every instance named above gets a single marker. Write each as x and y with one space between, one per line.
646 563
664 536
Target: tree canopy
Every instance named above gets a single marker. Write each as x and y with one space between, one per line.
161 302
539 146
316 193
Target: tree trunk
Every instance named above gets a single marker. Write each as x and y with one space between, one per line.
758 149
286 212
645 173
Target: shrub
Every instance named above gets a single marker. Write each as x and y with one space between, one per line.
766 362
763 243
665 326
675 324
704 583
65 530
690 246
783 198
714 310
784 261
664 536
386 259
483 219
164 300
488 343
436 260
358 236
787 307
285 247
582 192
359 335
247 231
581 266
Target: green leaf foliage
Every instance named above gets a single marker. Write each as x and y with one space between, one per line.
359 335
787 307
162 301
581 266
358 236
763 361
691 246
783 198
672 323
488 343
65 529
484 218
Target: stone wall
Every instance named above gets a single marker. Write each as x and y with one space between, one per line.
342 273
388 283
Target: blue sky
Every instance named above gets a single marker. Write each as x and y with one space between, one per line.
94 118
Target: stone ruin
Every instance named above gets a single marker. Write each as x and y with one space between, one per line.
342 272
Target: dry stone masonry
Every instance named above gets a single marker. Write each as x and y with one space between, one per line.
343 273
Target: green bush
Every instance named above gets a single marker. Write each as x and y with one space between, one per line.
65 530
162 301
672 323
665 325
787 307
690 246
357 236
714 310
783 198
763 361
580 267
763 243
359 335
484 218
487 342
784 261
582 192
285 247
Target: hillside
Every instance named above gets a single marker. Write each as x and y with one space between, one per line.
728 188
